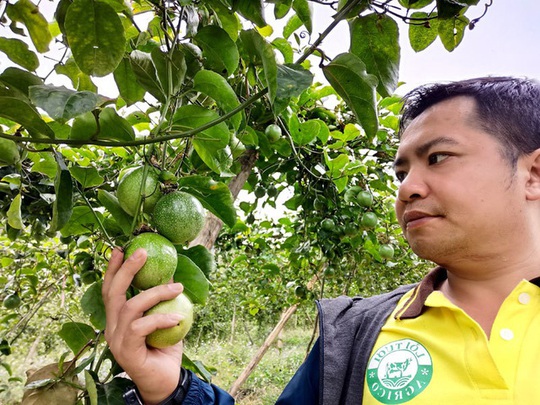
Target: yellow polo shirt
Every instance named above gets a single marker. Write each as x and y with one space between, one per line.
431 352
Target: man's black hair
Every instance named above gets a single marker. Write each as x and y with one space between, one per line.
506 107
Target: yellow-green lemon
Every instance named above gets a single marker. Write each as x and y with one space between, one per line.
129 189
162 338
179 217
161 260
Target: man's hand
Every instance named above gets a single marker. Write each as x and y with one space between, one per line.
155 371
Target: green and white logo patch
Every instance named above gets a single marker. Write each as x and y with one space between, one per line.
399 371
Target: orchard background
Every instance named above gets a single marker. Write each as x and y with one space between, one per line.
196 85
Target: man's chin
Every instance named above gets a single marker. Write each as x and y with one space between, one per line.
430 250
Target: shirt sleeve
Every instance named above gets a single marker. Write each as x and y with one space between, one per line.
203 393
303 389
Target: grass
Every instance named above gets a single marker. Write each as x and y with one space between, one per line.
271 375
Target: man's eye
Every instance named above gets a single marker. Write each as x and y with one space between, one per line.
401 176
437 158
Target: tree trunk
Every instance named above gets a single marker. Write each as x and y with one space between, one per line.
207 237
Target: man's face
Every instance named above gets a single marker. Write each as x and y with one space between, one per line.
458 197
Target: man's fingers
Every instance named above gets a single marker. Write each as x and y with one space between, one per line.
114 292
148 324
117 257
133 309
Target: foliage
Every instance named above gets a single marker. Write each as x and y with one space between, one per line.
198 83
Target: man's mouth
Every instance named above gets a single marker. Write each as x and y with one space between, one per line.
415 218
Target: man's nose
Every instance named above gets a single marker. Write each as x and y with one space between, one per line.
413 187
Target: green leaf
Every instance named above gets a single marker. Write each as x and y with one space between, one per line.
111 393
451 31
422 35
260 50
282 8
14 213
210 144
91 388
306 132
110 202
44 163
350 132
251 10
95 35
86 176
17 51
76 335
214 196
303 11
82 221
92 305
283 46
219 50
146 75
415 4
228 20
336 167
113 127
84 127
19 79
216 86
63 203
170 69
375 40
292 80
61 103
197 367
127 84
292 25
196 286
347 75
202 257
19 111
80 80
28 13
449 9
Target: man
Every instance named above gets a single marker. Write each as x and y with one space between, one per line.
469 200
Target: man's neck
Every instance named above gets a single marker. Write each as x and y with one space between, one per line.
480 293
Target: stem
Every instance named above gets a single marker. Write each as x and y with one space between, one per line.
337 19
102 356
147 141
100 224
140 200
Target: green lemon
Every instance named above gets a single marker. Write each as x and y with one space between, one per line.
162 338
386 251
9 152
301 292
179 217
129 188
328 224
272 191
12 301
273 132
161 260
351 229
365 199
260 192
369 220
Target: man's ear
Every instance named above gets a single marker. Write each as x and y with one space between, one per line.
532 189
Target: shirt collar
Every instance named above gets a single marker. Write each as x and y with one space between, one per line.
414 306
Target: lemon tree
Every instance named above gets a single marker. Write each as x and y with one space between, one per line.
222 104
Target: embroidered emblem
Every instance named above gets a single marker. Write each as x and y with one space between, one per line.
399 371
